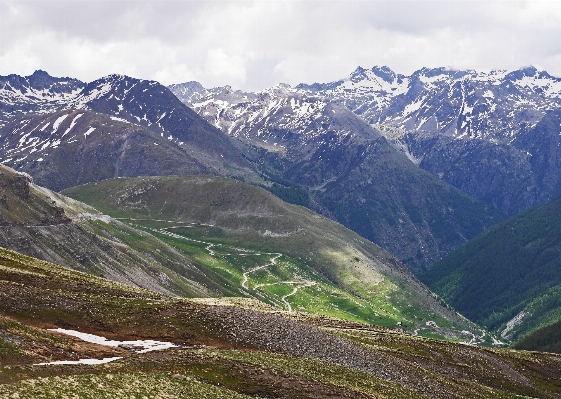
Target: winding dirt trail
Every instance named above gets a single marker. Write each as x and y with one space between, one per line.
272 262
299 284
295 290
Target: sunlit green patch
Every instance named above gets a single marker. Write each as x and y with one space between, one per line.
276 279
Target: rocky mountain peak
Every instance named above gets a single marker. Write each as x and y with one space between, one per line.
40 79
529 71
188 91
385 73
358 75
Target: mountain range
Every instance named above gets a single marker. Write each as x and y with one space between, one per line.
353 150
178 192
482 132
346 168
479 131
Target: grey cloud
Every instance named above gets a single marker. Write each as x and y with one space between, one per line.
255 44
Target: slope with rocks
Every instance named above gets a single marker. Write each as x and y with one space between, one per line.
353 174
40 223
508 278
279 253
226 351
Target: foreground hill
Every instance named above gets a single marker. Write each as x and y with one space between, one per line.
227 351
276 252
507 278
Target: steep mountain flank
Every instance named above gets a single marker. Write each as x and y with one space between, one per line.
73 147
46 225
150 104
512 175
508 278
21 205
545 339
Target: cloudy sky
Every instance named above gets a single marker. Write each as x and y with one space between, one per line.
252 45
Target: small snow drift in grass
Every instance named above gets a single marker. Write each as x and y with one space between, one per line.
140 346
146 345
82 361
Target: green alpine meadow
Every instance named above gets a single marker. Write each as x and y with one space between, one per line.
284 255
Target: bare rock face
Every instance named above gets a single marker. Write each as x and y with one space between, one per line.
22 205
20 187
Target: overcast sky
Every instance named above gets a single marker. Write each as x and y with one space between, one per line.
252 45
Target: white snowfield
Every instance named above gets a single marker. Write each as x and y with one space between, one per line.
81 361
140 346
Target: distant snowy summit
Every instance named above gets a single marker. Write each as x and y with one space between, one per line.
491 105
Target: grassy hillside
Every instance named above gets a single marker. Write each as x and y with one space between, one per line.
546 339
282 254
508 278
294 260
228 350
49 226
